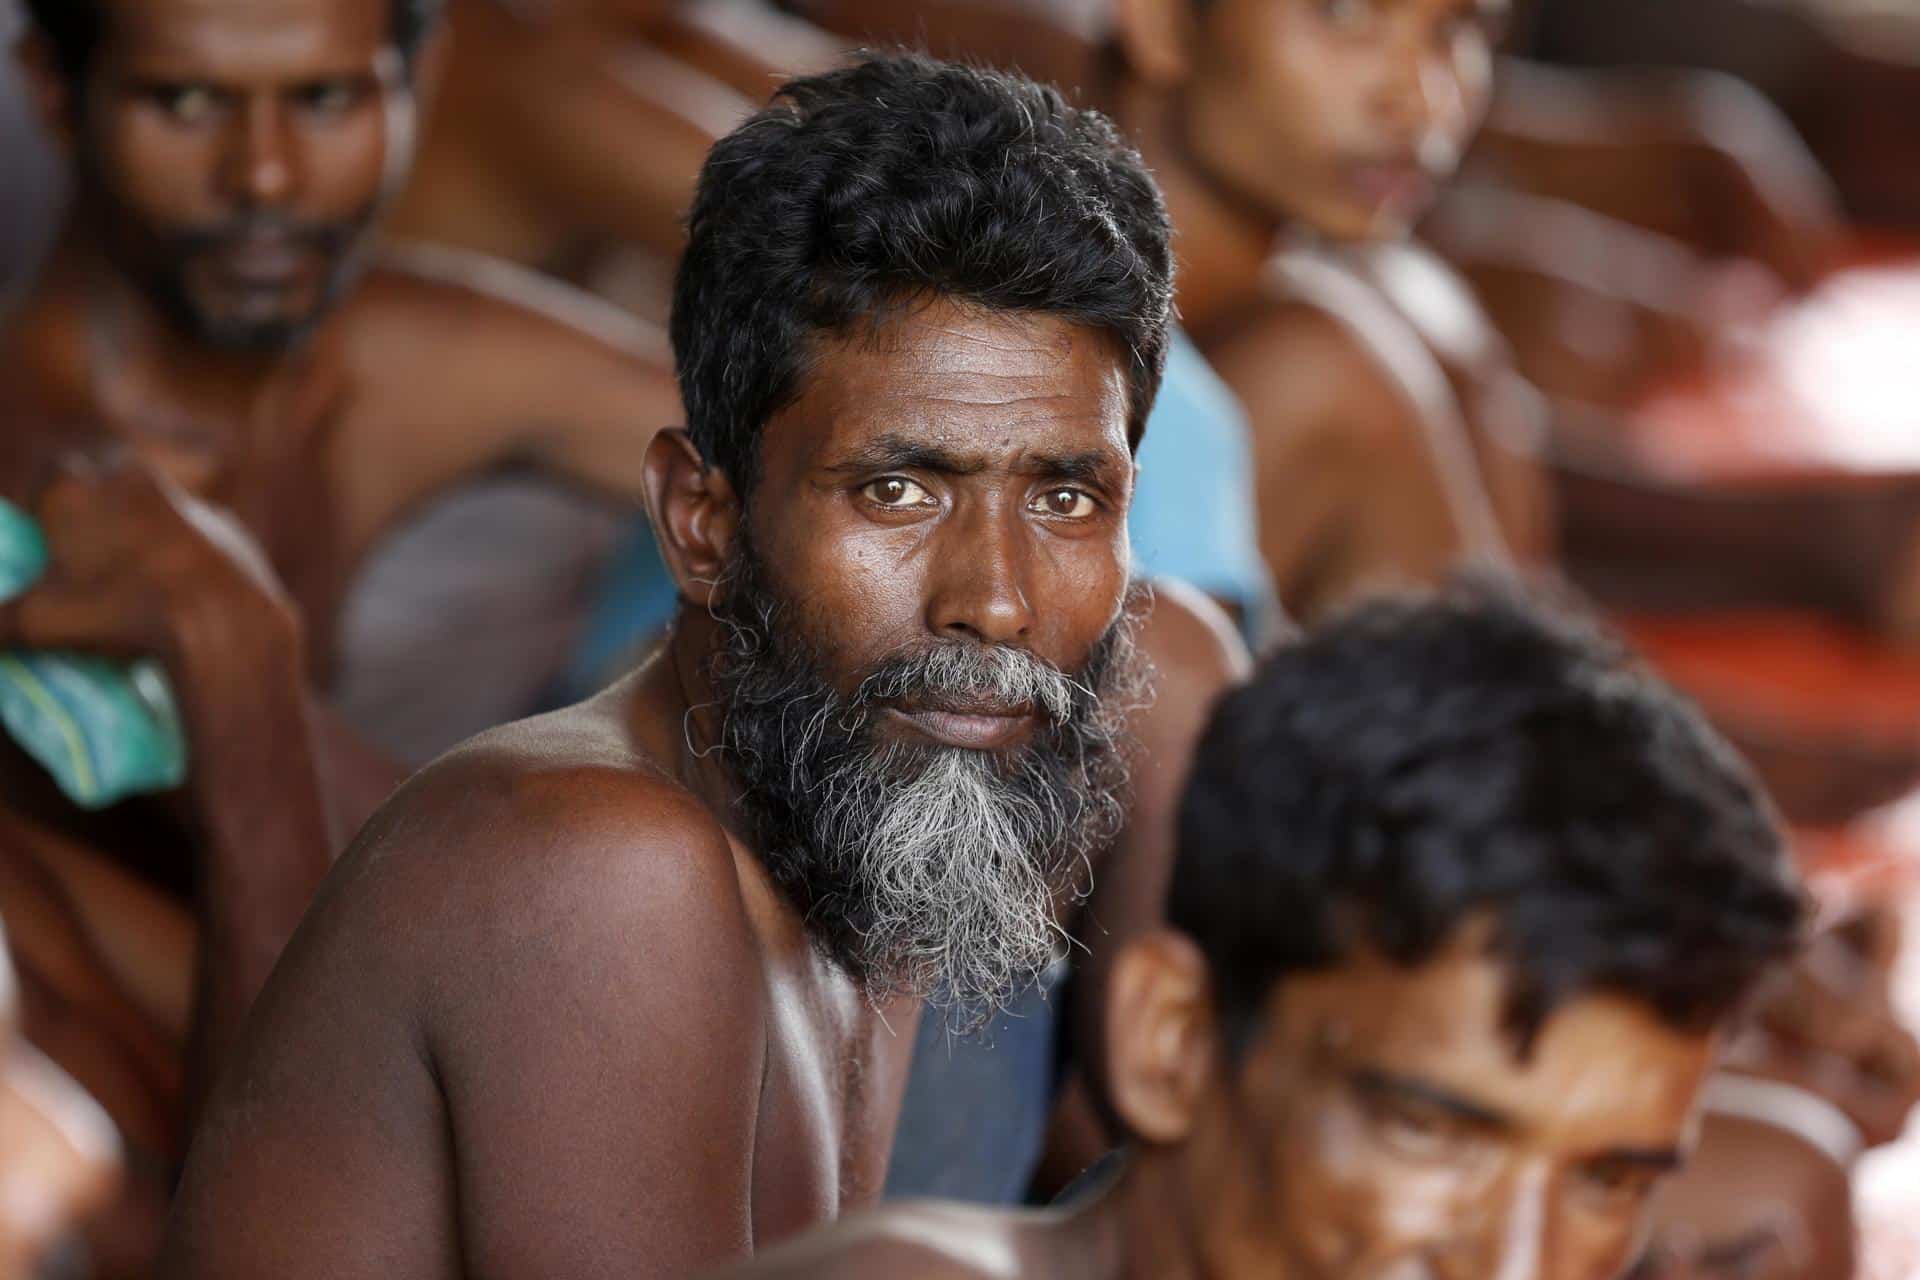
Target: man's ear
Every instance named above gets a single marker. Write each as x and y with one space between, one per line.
55 98
694 513
1157 37
1160 1036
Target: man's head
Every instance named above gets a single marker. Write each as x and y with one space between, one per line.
232 155
1343 115
1462 900
919 325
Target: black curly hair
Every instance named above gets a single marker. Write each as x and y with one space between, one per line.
902 178
1421 761
74 28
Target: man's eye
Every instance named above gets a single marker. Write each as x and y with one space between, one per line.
330 98
897 493
1616 1186
187 103
1065 504
1412 1130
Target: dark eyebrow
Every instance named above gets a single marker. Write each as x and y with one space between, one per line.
895 452
892 452
1379 1082
1084 468
1661 1159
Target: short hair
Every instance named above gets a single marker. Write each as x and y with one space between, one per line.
74 28
896 179
1421 761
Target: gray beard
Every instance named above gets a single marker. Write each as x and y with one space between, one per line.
924 870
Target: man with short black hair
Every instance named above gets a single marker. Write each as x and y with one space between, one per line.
1464 899
633 987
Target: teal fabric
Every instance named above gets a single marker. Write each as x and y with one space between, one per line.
105 730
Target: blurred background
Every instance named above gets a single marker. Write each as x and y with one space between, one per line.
1689 243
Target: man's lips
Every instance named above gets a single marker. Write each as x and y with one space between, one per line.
1392 183
262 263
973 729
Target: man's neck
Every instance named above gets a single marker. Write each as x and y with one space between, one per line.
1222 241
675 692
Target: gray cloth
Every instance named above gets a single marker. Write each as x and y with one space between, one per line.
30 181
464 618
973 1124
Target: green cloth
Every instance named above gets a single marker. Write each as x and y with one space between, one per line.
104 730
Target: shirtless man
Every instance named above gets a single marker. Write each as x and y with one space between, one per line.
215 407
632 987
1444 974
1362 361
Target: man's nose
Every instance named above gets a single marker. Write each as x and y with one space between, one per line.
982 578
1420 90
1505 1235
1523 1228
261 165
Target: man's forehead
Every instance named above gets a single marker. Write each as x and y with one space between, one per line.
1601 1065
968 378
245 38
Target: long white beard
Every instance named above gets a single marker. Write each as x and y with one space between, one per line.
958 891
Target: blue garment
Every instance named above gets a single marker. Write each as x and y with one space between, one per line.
1193 515
973 1123
1192 519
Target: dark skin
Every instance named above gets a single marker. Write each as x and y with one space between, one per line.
1340 117
584 968
1379 1125
570 131
206 505
58 1160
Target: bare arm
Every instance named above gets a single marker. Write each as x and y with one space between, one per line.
547 377
603 1089
140 569
1349 493
519 1035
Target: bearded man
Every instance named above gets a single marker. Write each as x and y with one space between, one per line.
633 987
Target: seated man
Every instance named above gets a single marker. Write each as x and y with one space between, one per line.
215 414
631 988
1462 904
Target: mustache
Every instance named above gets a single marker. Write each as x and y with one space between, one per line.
974 677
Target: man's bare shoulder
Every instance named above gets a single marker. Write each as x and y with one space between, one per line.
928 1240
558 826
1304 368
461 308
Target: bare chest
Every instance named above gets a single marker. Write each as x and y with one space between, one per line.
836 1073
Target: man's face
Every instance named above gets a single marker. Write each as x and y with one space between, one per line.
238 151
924 634
1344 115
1381 1127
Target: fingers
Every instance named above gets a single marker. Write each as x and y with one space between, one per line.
67 617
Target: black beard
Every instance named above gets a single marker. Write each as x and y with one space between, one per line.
157 263
921 870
